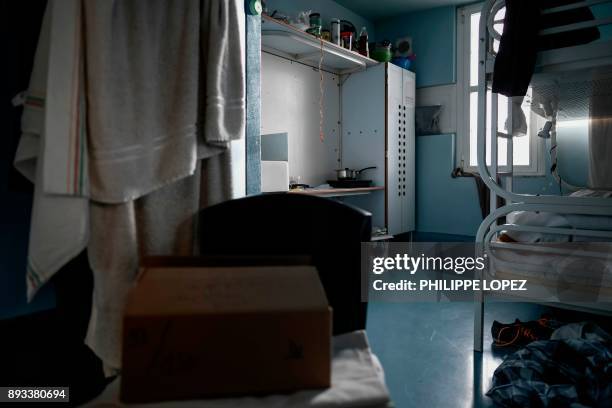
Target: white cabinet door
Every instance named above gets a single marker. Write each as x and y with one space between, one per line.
363 135
378 130
395 130
408 152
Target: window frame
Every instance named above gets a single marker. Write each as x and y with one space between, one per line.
536 144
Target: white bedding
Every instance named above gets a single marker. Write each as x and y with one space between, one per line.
556 269
357 381
571 272
547 219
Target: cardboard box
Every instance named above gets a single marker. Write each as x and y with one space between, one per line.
198 332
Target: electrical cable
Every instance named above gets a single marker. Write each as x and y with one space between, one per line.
321 135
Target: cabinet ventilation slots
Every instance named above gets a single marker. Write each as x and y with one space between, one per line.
378 130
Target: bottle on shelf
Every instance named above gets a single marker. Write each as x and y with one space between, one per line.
335 31
363 42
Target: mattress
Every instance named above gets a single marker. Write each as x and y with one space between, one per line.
568 272
569 95
555 220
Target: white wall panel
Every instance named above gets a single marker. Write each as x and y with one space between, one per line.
290 103
238 147
409 152
396 131
363 135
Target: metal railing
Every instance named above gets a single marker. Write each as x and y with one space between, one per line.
489 173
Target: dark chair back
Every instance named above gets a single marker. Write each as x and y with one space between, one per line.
281 224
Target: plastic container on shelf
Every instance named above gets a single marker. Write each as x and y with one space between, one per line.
315 20
362 45
404 62
347 39
335 31
382 53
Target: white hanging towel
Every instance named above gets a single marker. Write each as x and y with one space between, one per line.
142 94
52 151
165 88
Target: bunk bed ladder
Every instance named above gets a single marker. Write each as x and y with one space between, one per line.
494 171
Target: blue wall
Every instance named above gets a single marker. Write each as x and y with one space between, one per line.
433 38
444 205
15 191
603 11
573 153
15 210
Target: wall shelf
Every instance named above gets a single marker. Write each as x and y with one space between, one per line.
337 192
386 237
286 41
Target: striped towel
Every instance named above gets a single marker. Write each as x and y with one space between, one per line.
52 151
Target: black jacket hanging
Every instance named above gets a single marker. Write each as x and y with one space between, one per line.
520 42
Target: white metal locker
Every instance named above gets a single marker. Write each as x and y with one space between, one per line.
378 130
408 151
395 131
363 135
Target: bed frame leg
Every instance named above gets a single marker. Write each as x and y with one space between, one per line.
478 321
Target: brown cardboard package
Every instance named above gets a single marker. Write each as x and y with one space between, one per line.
198 332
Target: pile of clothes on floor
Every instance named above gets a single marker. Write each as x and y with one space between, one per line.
558 365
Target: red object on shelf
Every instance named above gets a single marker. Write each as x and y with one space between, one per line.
362 46
347 39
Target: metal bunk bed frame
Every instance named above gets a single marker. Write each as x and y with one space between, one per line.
566 59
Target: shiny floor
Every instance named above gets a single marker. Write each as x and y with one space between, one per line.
426 350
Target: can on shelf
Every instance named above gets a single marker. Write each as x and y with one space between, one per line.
335 31
315 20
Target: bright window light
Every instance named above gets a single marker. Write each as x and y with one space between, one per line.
523 147
572 123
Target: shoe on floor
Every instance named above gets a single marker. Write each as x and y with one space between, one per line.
519 333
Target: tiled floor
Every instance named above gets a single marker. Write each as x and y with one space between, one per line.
427 350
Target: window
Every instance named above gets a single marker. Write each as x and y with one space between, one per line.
527 150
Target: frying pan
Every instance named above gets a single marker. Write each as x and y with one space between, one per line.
350 174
